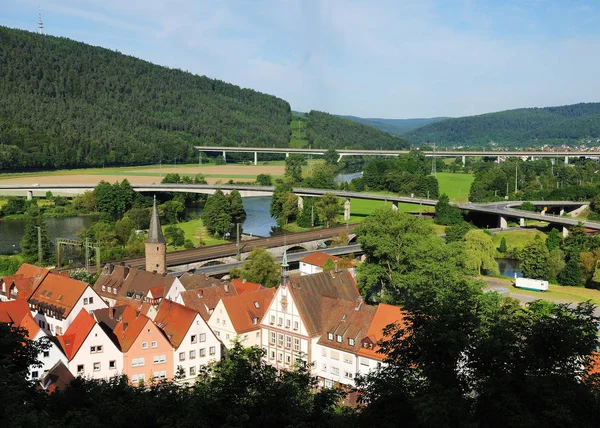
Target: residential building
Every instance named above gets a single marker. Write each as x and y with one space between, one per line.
146 351
240 316
58 299
194 343
24 282
242 286
89 349
315 262
204 300
17 314
345 324
368 356
293 323
190 281
58 377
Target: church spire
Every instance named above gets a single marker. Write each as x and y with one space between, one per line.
155 235
285 276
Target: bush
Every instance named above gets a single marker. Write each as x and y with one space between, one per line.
527 206
188 244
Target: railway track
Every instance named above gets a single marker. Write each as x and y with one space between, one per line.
227 250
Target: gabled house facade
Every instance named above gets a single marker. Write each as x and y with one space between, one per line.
240 317
194 343
58 299
89 349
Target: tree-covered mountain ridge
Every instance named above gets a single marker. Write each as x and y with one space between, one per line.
396 127
569 124
64 103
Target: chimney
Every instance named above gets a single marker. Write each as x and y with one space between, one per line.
111 313
126 272
137 312
170 303
243 280
226 286
357 308
125 325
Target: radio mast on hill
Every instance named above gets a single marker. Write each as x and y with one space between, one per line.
40 23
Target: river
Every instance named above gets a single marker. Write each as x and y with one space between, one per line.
509 267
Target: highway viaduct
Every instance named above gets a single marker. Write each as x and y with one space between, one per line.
503 210
360 152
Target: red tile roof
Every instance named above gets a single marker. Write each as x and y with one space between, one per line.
129 281
58 291
157 292
319 259
129 327
385 315
16 312
243 286
76 334
345 318
58 377
174 320
204 300
246 308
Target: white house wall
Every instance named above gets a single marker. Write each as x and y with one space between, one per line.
173 292
55 354
198 328
109 353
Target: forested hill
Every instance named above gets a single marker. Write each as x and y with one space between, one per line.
394 126
325 130
65 103
569 124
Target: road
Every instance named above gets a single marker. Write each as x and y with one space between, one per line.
228 250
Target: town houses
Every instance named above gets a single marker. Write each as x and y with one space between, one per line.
150 325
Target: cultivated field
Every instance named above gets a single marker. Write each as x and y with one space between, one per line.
145 175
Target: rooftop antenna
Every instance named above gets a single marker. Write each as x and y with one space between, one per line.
40 23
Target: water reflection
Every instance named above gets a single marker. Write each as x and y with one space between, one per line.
509 267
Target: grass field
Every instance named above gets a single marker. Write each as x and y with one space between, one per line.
517 238
361 208
195 230
456 186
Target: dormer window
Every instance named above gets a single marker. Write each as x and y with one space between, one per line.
256 305
255 320
330 336
350 341
338 338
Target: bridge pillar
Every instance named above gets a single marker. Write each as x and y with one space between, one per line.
255 158
29 195
566 160
394 206
503 223
464 160
562 211
340 158
287 154
522 222
300 203
224 156
565 232
347 209
498 160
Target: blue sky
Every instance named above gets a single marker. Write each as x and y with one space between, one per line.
393 59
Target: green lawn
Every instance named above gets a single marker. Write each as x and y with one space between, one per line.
456 186
517 238
194 230
361 208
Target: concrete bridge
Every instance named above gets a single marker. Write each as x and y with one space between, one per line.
503 210
360 152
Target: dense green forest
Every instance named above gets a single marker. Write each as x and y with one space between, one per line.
329 131
65 103
571 124
394 126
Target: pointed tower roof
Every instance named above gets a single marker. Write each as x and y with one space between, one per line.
285 275
155 235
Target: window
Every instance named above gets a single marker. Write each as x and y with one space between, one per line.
296 325
218 321
91 300
202 352
280 321
218 333
335 371
348 375
112 365
115 292
104 288
272 355
296 344
144 345
288 323
339 338
364 362
202 337
335 355
288 341
46 354
92 349
59 330
347 359
85 300
257 334
350 341
99 348
154 344
256 305
134 378
330 336
288 359
211 350
193 338
224 322
159 359
96 367
192 355
182 356
35 374
141 361
255 320
109 289
280 339
328 383
272 337
80 369
193 371
226 337
137 362
323 352
159 375
272 319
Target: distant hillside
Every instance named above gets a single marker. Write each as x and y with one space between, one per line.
327 130
65 103
571 124
394 126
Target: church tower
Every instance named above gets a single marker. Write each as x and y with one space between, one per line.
156 247
285 275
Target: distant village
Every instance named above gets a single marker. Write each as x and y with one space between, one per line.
149 325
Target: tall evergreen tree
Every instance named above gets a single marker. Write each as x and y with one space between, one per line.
30 243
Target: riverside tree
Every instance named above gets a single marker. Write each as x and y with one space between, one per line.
535 259
260 267
329 207
216 215
480 251
30 243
